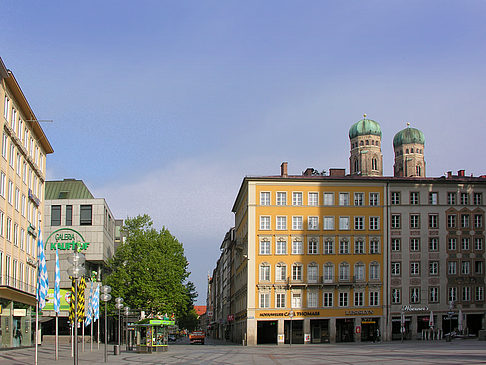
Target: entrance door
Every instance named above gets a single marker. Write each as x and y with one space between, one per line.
316 334
267 332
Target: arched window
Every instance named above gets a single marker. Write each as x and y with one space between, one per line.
361 143
328 273
373 142
297 272
359 271
419 170
367 142
374 164
356 165
406 151
312 272
281 272
344 271
264 272
411 150
374 271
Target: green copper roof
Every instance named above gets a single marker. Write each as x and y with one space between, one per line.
407 136
364 127
67 189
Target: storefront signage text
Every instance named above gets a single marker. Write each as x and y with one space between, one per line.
409 308
66 239
287 314
358 313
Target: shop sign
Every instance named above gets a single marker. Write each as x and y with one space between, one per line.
210 313
231 317
164 322
66 239
287 314
409 308
19 312
65 296
359 312
358 329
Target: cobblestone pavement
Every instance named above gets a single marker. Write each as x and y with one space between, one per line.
219 353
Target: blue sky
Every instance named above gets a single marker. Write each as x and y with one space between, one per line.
162 107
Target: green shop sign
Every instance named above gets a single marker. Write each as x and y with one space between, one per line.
66 239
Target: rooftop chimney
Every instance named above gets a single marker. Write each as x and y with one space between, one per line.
283 169
449 174
308 171
337 172
461 173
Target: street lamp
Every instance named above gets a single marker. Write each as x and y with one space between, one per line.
291 315
127 312
76 270
119 306
105 297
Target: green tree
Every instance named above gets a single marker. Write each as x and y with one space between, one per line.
149 270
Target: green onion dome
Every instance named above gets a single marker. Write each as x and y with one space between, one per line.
364 127
408 136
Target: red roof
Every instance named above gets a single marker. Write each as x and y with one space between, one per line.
200 309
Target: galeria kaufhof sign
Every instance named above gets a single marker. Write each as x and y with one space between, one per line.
66 239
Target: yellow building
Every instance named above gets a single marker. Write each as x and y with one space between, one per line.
309 258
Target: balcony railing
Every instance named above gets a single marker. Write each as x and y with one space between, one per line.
14 283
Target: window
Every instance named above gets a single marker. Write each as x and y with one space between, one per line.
297 198
452 294
396 296
265 247
297 223
281 222
85 216
2 218
433 221
2 184
265 198
6 107
19 163
414 197
433 244
359 272
264 272
478 220
451 221
479 294
477 198
358 199
395 244
464 198
451 198
452 244
478 244
395 197
16 234
328 198
374 246
415 268
281 248
10 192
264 300
312 273
358 223
328 247
9 229
24 172
69 215
343 198
433 198
297 248
465 244
296 300
281 272
343 223
17 199
327 299
466 293
264 222
313 199
374 271
281 198
374 199
313 246
358 298
478 267
434 268
414 295
465 267
374 297
280 300
359 246
452 267
374 223
328 223
464 220
312 299
343 299
11 158
395 221
313 223
297 272
344 271
4 146
22 238
55 215
395 268
344 247
328 273
414 221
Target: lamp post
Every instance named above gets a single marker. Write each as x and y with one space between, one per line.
291 315
127 312
76 270
119 306
105 297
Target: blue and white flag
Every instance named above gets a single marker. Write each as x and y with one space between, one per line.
95 305
89 307
57 284
42 280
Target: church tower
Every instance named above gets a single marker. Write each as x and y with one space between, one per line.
366 158
408 145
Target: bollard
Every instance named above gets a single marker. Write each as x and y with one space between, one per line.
116 349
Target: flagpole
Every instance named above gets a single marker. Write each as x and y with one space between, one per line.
91 341
36 330
98 337
57 336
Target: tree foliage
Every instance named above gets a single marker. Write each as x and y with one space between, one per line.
149 270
